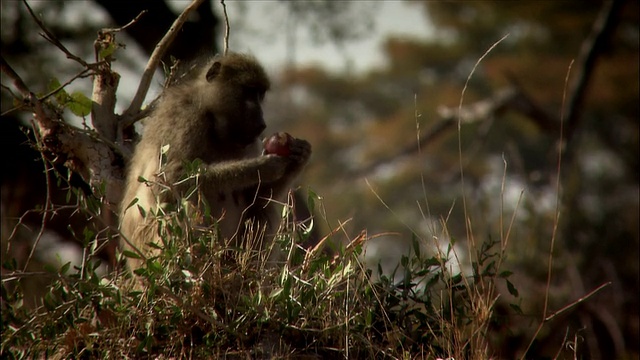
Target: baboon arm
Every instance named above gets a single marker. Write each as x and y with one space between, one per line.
281 186
241 174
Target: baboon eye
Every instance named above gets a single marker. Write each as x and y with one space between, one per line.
253 93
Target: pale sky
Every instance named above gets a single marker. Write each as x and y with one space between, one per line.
261 28
266 35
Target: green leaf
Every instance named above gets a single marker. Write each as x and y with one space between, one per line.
312 197
275 293
131 254
50 268
512 289
94 247
404 260
10 264
54 83
65 268
433 261
48 302
516 308
62 97
490 269
133 202
79 104
505 274
108 51
142 211
87 234
369 318
456 279
154 266
416 246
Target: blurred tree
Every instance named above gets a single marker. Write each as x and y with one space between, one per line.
398 124
33 201
73 25
512 110
196 38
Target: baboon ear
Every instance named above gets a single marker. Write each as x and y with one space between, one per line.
213 71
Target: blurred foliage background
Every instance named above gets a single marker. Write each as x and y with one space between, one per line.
388 155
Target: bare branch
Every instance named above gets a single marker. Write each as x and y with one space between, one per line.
135 20
47 207
92 160
226 27
18 83
589 51
506 99
154 60
580 300
24 91
81 74
103 104
52 39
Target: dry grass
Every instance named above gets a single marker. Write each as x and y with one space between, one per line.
201 299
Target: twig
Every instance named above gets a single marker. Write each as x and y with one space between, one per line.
29 98
464 89
35 101
582 299
173 71
226 27
22 87
47 202
432 133
135 20
81 74
52 39
556 216
129 115
15 78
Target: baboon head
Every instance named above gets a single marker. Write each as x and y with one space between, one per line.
238 83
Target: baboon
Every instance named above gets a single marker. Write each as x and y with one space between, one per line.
215 117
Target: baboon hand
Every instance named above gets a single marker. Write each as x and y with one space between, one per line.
273 168
300 152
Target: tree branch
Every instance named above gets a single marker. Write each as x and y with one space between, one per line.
52 39
15 78
94 160
226 27
129 116
516 99
511 98
590 50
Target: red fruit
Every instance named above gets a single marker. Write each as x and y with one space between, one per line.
278 144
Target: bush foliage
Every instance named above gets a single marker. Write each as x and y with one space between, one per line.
201 298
